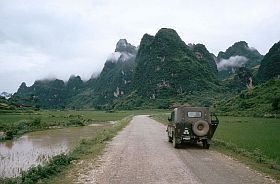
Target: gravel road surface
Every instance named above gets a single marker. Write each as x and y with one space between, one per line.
141 154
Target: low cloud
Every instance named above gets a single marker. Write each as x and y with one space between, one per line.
232 62
114 57
119 56
252 48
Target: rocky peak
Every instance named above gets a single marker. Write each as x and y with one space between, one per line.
240 54
124 51
74 82
240 44
23 85
6 95
124 46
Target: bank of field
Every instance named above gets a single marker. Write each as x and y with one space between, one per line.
255 141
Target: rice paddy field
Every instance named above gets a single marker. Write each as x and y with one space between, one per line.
260 135
53 117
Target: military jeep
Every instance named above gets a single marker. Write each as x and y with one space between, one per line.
192 125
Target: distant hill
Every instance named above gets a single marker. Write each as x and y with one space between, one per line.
6 95
166 66
263 100
49 93
236 56
238 66
270 65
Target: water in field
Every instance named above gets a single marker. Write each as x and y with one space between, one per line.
37 147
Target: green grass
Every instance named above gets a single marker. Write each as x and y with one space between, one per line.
252 134
254 141
161 117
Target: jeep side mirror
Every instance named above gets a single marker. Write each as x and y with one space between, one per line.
169 118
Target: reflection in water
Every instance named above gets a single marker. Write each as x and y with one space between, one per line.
37 147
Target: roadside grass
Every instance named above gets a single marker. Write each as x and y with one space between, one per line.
254 141
162 118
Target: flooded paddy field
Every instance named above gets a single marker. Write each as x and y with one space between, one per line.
37 147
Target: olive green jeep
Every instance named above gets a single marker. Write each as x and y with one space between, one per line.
192 125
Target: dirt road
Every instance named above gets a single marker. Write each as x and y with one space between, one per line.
142 154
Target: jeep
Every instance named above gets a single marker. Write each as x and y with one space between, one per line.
191 125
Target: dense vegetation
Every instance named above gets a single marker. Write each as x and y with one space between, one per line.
263 100
166 67
270 65
49 93
115 80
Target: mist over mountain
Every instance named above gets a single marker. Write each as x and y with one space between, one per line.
6 95
236 56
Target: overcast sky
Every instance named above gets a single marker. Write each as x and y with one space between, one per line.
56 38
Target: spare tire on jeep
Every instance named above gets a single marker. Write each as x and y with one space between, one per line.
200 128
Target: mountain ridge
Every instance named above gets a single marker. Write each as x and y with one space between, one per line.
161 71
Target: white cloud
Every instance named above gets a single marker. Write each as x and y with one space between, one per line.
232 62
63 37
114 57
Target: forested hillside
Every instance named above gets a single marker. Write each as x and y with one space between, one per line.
270 65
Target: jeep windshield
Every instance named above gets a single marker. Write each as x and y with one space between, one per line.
194 114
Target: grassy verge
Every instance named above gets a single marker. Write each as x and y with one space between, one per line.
254 141
87 147
162 118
